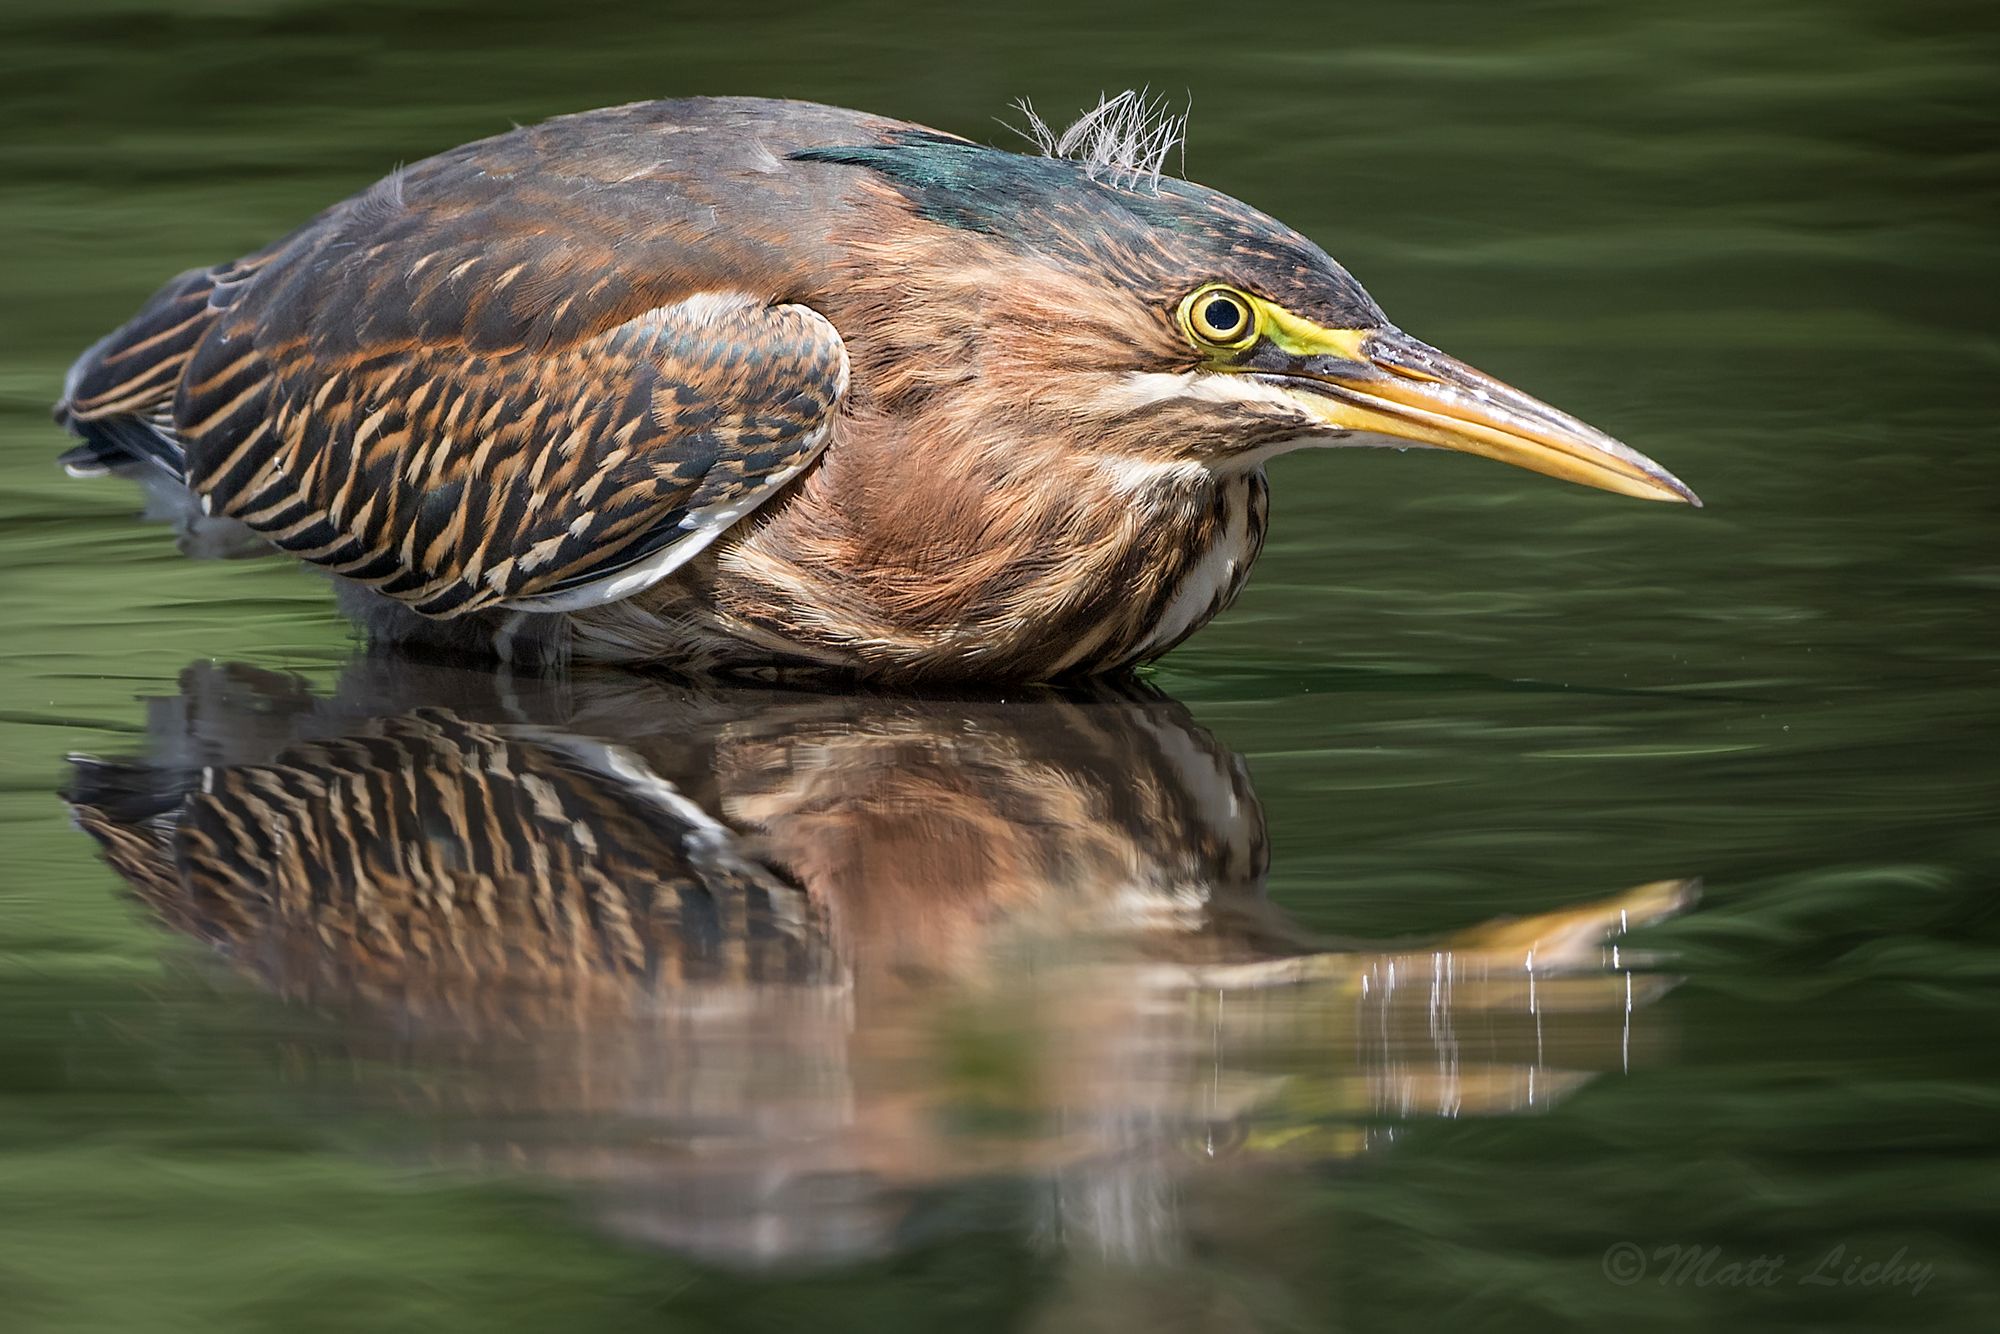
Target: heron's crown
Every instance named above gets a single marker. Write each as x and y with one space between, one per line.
1158 236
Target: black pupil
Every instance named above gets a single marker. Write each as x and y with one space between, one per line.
1223 316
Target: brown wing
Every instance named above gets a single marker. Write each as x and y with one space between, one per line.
536 371
454 479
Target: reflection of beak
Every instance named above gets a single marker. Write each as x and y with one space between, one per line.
1409 391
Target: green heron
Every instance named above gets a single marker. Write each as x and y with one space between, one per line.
746 386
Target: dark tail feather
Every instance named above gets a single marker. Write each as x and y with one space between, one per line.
118 397
120 444
118 402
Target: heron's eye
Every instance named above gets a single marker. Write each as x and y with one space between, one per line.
1218 317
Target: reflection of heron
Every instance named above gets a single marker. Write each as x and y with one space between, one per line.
998 416
761 965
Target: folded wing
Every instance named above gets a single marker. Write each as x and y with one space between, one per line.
454 479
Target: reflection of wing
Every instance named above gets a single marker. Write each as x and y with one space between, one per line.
426 855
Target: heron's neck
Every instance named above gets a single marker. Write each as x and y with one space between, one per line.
1004 552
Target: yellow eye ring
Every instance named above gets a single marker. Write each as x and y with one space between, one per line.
1219 318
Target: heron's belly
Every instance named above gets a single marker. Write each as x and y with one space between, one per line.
714 617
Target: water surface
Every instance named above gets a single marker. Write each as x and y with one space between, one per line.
1074 1012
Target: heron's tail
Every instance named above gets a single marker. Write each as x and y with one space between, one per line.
118 398
118 401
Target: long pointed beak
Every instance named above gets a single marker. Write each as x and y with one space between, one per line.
1406 390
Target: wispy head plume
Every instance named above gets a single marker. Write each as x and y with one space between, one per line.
1124 140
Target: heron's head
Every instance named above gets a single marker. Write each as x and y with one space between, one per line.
1155 320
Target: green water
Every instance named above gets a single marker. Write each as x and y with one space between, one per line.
1753 239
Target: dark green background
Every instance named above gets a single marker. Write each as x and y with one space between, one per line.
1754 239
